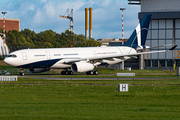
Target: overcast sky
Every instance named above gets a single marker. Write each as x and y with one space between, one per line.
41 15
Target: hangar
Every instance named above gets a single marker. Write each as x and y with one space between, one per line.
164 29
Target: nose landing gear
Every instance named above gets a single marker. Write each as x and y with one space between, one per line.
21 72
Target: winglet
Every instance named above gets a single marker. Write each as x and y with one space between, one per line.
173 47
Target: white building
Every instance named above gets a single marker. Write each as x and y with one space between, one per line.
3 48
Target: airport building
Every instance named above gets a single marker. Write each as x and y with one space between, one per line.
164 29
10 24
111 42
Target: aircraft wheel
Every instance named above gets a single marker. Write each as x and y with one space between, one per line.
22 73
87 73
91 72
96 72
70 73
62 72
66 73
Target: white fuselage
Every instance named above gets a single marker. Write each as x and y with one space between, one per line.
55 57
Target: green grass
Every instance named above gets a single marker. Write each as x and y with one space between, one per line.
43 99
102 71
30 98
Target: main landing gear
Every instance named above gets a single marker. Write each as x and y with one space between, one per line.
92 73
67 72
21 72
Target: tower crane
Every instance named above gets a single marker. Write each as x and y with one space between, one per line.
69 15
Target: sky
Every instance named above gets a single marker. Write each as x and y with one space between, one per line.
41 15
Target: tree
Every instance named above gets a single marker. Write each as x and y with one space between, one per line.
28 33
47 38
11 39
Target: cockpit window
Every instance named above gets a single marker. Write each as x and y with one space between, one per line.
12 55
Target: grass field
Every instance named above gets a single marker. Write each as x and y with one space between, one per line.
43 99
30 98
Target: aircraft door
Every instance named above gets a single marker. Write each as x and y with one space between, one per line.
94 53
48 55
24 56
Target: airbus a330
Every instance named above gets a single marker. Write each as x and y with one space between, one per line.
83 59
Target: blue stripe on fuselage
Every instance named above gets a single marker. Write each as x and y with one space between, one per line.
40 64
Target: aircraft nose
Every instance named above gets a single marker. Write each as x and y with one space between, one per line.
5 60
8 61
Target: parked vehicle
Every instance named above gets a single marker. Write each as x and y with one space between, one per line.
4 72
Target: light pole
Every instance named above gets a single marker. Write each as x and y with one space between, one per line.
122 25
4 25
122 63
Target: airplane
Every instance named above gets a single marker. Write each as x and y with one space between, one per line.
83 59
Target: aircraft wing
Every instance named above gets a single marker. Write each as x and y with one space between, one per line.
119 56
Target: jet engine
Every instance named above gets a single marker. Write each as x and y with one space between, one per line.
82 67
38 70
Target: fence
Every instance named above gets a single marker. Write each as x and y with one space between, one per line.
8 78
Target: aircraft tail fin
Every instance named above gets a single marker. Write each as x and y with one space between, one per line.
138 37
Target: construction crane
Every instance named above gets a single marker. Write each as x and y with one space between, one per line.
69 15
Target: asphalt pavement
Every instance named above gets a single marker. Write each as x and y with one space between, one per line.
108 78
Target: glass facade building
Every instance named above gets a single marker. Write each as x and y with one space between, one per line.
164 29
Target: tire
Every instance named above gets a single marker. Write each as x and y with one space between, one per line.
22 73
96 72
87 73
70 73
66 72
91 72
62 72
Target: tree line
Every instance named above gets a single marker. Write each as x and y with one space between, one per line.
47 39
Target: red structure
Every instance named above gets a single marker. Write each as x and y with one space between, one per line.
122 25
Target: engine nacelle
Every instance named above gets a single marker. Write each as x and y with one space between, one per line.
82 67
38 70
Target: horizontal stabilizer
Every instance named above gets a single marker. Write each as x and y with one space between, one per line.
173 47
148 48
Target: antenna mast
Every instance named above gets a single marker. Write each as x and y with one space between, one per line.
4 36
